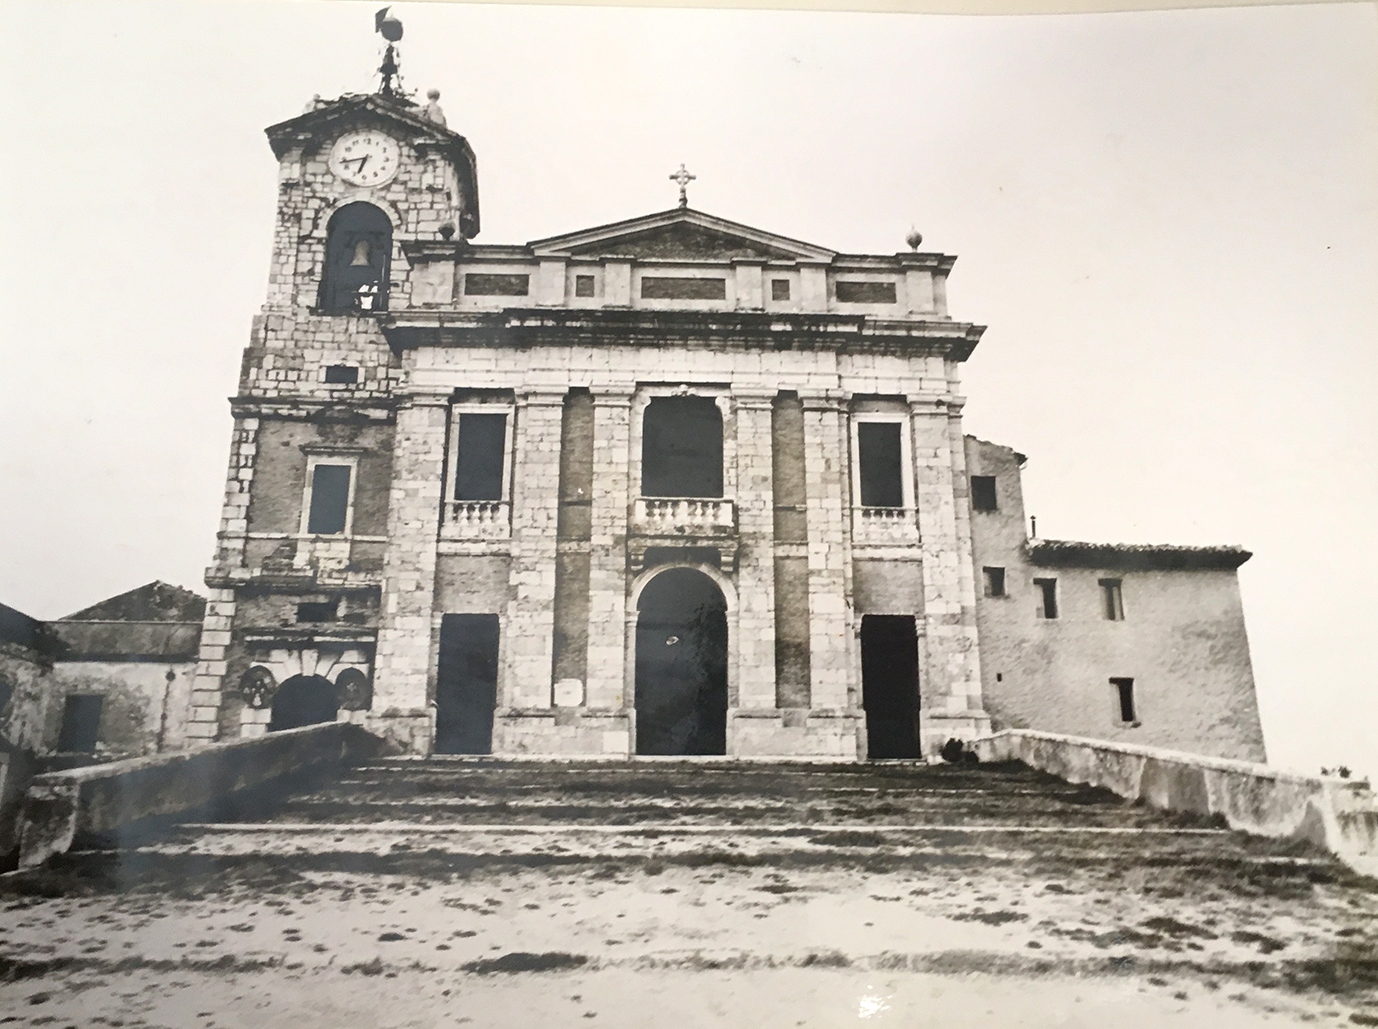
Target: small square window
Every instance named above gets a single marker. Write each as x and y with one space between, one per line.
1047 595
995 581
779 289
1124 690
583 285
341 374
316 611
983 493
1112 597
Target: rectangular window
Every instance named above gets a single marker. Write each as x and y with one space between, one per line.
1113 598
1047 595
983 493
995 581
341 374
665 288
80 722
329 499
879 453
866 292
779 289
479 464
316 611
482 284
583 285
1124 688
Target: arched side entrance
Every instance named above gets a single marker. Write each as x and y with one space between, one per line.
681 665
304 700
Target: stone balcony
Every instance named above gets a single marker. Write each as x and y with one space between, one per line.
885 526
476 520
684 517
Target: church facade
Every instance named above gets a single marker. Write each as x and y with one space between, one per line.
669 486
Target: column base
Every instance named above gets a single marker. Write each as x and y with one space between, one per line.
937 727
796 732
562 732
406 732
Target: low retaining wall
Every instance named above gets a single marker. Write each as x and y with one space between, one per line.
100 801
1335 813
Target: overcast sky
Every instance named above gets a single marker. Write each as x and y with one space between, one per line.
1168 220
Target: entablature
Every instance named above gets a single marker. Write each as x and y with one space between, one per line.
524 327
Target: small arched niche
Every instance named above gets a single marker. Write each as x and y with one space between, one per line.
358 258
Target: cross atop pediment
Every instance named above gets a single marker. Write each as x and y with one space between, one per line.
683 177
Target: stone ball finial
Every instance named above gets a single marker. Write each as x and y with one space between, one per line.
433 113
914 239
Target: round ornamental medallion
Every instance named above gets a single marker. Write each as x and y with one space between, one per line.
367 158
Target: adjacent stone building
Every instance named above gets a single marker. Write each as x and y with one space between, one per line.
673 485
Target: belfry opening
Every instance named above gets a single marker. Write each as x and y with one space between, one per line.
681 665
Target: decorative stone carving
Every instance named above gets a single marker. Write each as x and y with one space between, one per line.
355 690
258 686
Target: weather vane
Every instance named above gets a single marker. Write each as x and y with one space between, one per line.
683 177
391 29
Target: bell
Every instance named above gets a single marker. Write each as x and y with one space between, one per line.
360 254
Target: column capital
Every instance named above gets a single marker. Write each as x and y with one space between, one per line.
617 394
824 399
754 397
936 404
541 396
423 398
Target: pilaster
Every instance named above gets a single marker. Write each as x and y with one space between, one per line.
755 497
831 668
530 628
203 716
402 669
612 496
950 670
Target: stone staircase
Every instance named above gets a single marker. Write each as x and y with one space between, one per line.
499 893
504 811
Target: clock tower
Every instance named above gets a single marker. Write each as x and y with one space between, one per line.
297 587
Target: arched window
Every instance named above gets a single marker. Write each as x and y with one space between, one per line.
681 448
358 254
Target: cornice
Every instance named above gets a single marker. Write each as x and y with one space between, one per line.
614 327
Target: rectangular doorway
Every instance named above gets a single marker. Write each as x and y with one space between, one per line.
80 724
890 685
466 688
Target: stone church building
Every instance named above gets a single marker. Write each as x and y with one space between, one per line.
669 486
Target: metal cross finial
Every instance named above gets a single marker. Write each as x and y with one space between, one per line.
683 177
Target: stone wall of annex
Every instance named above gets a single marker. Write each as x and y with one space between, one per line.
1182 641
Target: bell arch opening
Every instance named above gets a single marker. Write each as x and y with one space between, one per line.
304 700
358 259
681 665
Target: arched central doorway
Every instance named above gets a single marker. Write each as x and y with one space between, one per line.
681 665
304 700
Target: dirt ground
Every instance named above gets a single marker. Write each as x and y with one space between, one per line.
642 942
1069 910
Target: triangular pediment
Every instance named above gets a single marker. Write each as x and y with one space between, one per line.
680 234
324 119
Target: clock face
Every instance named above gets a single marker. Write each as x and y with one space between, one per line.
366 158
